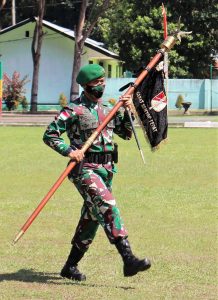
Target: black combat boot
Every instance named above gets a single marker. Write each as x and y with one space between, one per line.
132 265
70 270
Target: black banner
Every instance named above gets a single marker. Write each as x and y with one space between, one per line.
151 105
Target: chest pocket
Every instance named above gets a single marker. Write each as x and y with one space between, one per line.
87 121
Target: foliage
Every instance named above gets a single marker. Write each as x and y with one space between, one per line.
179 102
136 33
201 18
134 30
112 101
24 103
62 100
13 91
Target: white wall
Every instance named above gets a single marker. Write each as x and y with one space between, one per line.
55 65
16 53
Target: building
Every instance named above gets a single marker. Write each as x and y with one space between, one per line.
56 58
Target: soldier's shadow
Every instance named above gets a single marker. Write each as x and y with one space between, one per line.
31 275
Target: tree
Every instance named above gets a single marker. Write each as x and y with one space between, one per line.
88 17
200 16
54 11
36 53
134 30
13 91
2 4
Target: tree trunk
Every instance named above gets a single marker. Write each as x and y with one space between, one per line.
76 66
35 85
3 2
36 54
79 42
82 32
13 12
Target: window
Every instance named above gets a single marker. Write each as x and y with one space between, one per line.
101 63
90 62
27 33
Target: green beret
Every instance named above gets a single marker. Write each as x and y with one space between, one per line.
90 72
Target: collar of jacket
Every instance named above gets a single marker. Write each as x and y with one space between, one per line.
87 102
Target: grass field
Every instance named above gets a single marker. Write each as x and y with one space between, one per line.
169 208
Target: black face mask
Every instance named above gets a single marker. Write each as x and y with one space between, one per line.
97 91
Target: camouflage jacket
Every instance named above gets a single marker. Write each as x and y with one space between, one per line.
80 121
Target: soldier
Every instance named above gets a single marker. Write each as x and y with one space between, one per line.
93 173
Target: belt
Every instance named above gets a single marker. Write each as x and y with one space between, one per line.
98 158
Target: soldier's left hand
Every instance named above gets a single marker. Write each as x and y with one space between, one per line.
127 101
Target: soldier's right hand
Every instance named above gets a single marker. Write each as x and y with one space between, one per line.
76 155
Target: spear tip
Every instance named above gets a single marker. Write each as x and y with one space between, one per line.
18 236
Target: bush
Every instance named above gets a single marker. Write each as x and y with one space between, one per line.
112 101
179 102
24 103
13 91
63 100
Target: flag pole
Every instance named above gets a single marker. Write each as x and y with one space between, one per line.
166 62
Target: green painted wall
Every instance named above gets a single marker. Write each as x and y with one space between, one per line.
113 67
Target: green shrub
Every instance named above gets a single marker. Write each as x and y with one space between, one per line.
63 100
179 102
24 103
112 101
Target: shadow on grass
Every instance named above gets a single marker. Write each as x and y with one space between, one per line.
30 275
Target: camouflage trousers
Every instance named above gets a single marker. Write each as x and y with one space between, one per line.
99 208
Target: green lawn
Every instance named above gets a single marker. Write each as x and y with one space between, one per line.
168 205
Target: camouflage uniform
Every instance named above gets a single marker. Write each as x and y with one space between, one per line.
93 180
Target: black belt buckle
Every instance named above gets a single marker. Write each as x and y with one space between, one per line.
95 159
100 158
104 158
107 158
